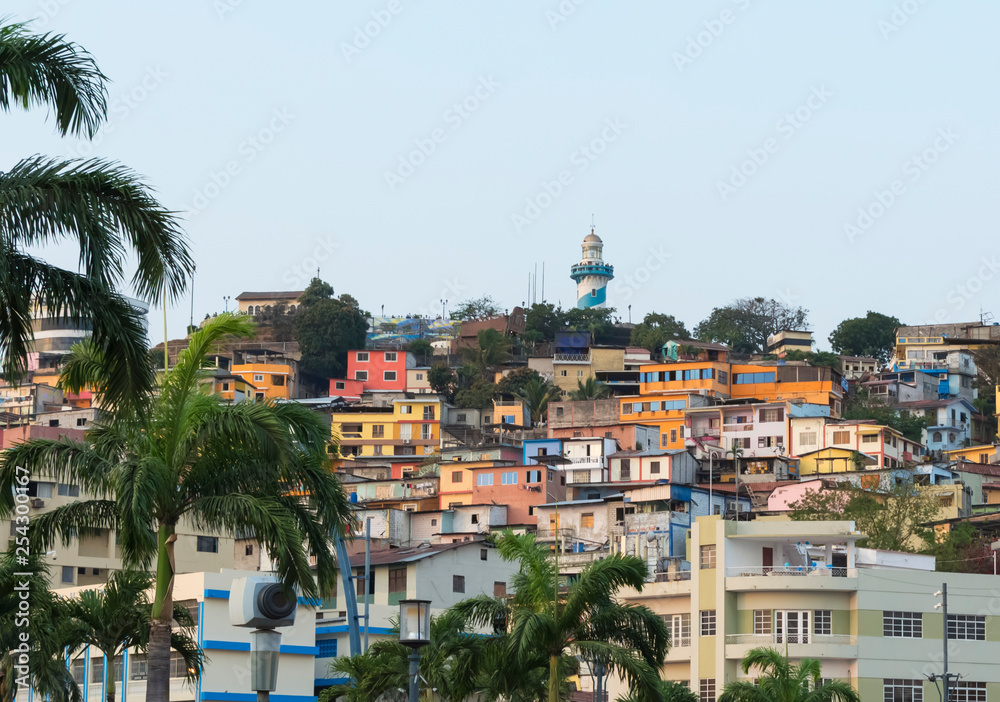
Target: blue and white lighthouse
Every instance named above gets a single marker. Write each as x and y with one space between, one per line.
592 274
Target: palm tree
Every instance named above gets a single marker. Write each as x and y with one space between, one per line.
256 468
46 627
492 349
629 640
448 665
780 681
668 692
102 206
115 618
538 394
589 389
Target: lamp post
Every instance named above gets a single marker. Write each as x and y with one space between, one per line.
946 676
415 632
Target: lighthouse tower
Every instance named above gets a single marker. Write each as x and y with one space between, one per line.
592 274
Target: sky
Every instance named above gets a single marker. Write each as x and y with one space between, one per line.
835 156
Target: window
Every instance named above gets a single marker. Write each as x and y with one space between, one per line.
708 622
67 574
456 476
81 571
673 436
965 691
775 414
426 432
420 376
81 422
360 591
971 627
248 550
53 422
627 408
406 409
762 621
389 375
483 480
178 668
499 589
841 437
225 387
822 622
707 557
360 375
579 374
362 357
654 467
587 520
898 690
65 490
258 396
97 670
706 690
508 478
208 544
397 580
434 522
753 378
559 411
679 626
562 373
937 436
390 356
327 648
533 476
378 431
907 625
626 468
76 669
458 583
339 385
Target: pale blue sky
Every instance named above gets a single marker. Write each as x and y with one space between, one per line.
202 77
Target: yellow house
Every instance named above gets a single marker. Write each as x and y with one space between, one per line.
568 370
233 388
407 428
833 460
271 381
986 453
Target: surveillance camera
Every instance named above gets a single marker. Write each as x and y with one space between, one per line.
261 602
51 554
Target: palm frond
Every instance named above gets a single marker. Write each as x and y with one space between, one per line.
46 70
70 521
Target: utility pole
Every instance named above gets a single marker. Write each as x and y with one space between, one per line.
943 606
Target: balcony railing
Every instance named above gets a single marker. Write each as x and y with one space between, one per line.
705 432
809 638
596 460
571 357
668 577
812 571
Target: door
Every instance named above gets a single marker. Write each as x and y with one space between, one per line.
767 558
792 625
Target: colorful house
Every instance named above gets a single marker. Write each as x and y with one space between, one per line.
406 428
271 381
377 370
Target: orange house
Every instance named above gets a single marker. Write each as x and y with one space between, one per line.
271 381
809 384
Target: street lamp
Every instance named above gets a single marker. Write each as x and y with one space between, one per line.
415 632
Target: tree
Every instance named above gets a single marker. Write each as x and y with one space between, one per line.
515 381
327 328
589 389
538 394
492 349
472 310
892 518
821 359
780 681
115 618
745 324
275 318
442 380
964 549
668 692
101 205
873 335
861 405
587 620
478 395
227 468
987 378
657 329
421 349
544 319
596 320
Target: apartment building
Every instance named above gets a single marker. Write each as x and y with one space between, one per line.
600 418
952 423
854 367
672 465
881 446
806 588
787 340
21 404
404 428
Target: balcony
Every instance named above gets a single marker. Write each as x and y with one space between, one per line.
571 358
745 578
816 646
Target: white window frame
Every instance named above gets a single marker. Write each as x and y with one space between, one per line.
386 374
390 356
359 356
902 690
902 625
484 480
679 626
707 622
361 375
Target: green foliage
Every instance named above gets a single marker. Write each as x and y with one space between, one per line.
492 349
513 383
536 635
543 318
598 321
964 549
480 308
781 681
818 358
873 335
657 329
988 377
538 394
861 405
442 380
891 518
668 692
422 350
745 324
590 389
479 395
277 320
327 328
